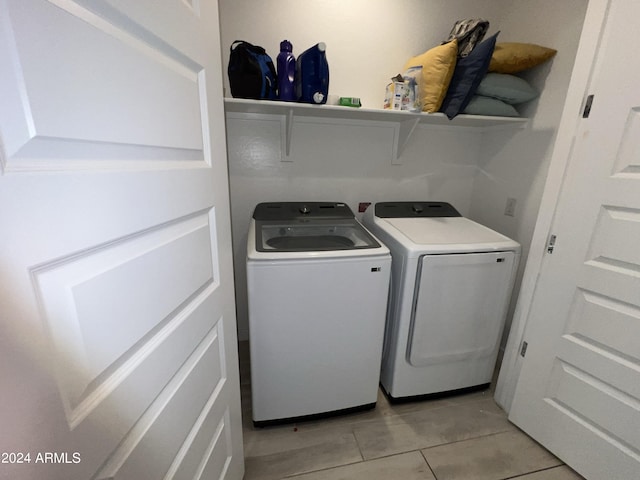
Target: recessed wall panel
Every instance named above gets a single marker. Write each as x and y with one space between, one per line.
628 159
107 305
608 410
104 306
617 236
115 401
122 77
599 319
173 414
215 464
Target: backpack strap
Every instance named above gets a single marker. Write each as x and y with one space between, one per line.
252 48
235 44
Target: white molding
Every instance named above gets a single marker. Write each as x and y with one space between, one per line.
403 122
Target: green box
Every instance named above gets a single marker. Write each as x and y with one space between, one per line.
349 102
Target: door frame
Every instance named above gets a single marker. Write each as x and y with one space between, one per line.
584 71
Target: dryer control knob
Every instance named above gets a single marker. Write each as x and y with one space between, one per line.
417 208
305 209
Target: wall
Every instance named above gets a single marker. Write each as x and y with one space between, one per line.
516 167
574 101
352 163
368 41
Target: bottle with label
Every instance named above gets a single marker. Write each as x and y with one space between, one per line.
312 76
286 72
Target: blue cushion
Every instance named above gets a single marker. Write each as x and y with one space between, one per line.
480 105
505 87
469 71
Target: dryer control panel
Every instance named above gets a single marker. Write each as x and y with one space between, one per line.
415 209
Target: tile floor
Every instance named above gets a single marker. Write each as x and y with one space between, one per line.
465 437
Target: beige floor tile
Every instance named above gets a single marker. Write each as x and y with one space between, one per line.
402 433
307 456
493 457
273 439
557 473
406 466
404 408
382 412
471 397
270 440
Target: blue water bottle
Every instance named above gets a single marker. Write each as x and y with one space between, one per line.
286 72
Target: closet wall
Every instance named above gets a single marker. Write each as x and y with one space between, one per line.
367 43
516 166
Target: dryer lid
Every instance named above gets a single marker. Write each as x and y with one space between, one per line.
446 231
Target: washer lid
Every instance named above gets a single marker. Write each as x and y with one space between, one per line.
445 231
309 227
312 235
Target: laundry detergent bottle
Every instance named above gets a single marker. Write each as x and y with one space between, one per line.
312 76
286 72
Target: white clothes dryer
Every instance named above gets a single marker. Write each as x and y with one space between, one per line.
317 285
451 283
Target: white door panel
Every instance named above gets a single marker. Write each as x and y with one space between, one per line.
147 87
110 94
579 390
117 326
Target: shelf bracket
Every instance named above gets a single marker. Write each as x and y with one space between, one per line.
288 135
403 133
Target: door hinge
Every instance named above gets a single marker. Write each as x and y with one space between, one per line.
523 349
587 107
551 244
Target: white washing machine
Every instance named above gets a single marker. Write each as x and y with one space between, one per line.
317 288
451 283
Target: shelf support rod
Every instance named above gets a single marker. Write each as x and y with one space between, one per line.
402 136
289 131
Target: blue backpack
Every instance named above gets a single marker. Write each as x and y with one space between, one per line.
251 72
